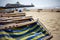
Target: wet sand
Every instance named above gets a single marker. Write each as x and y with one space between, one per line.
51 20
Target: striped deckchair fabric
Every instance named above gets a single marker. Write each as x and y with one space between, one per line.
32 31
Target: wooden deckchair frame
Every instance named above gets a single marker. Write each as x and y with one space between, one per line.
12 14
16 20
16 24
50 35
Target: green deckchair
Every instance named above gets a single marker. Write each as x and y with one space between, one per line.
29 31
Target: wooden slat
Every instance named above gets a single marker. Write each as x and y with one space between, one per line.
12 14
12 19
48 37
16 25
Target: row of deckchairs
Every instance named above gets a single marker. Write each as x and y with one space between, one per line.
22 28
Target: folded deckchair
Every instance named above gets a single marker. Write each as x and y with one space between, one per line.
12 14
5 20
32 30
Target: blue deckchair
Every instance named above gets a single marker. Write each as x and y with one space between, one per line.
33 31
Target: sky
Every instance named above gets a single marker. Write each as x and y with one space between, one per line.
37 3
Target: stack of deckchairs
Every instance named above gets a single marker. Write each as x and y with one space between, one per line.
18 26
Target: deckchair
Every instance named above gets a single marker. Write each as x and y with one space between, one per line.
12 14
5 20
32 30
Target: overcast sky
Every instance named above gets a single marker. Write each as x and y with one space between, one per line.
37 3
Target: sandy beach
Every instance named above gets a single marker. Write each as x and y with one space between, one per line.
51 20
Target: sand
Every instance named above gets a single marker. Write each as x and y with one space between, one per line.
51 20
